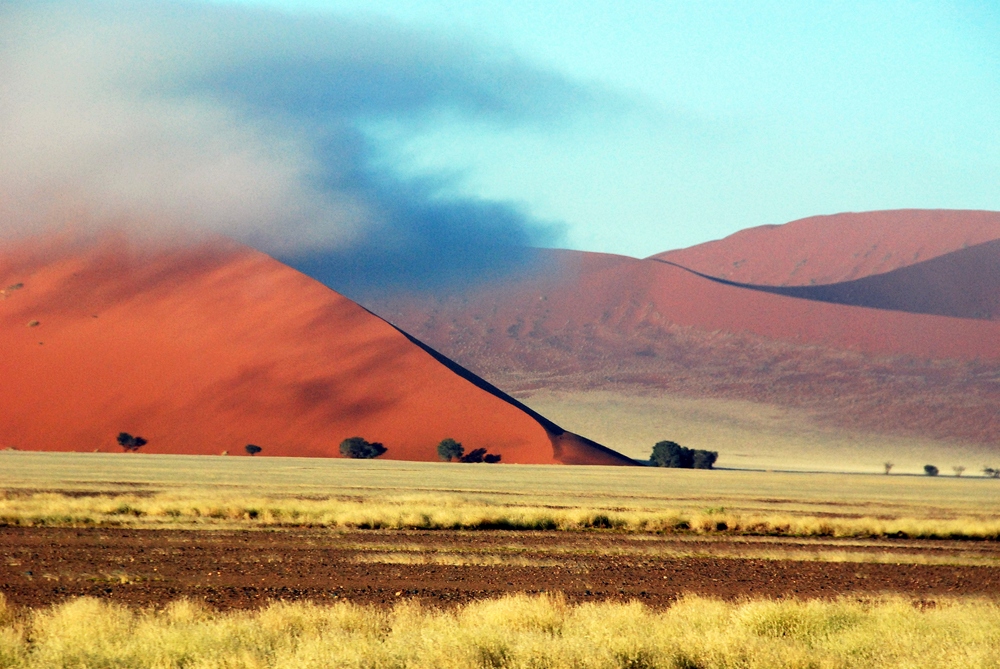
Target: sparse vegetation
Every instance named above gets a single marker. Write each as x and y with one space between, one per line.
930 470
480 455
129 443
958 469
252 449
991 472
170 491
450 450
672 454
359 448
450 512
514 631
888 467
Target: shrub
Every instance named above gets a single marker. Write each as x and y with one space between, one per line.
252 449
356 447
449 450
475 455
930 470
704 459
672 454
991 472
130 443
480 455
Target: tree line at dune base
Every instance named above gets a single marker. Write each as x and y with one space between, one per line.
665 453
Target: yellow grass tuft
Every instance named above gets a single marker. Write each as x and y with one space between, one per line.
515 631
457 513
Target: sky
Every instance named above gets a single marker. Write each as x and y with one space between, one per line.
734 114
400 140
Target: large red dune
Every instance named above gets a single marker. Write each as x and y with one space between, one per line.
837 248
210 347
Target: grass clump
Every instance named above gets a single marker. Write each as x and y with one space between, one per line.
514 631
451 512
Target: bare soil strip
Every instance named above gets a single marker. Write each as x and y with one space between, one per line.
240 569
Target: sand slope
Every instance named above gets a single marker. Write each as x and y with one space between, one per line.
214 346
589 293
588 322
963 284
842 247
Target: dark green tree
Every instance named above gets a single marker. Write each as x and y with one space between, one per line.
450 450
705 459
130 443
672 454
930 470
356 447
252 449
475 455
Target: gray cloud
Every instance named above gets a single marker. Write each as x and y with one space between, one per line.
250 123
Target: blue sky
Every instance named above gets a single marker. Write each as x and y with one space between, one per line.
731 114
408 142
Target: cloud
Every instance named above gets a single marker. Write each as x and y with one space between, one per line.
251 123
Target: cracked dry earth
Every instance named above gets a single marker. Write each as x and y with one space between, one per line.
246 568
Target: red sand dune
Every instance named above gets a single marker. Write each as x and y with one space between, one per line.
214 346
842 247
587 291
594 321
963 284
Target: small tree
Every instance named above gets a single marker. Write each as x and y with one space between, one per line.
450 450
475 455
888 467
356 447
991 472
672 454
930 470
252 449
129 443
491 458
704 459
958 469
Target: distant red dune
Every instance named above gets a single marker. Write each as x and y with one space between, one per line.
590 291
963 284
838 248
588 321
211 347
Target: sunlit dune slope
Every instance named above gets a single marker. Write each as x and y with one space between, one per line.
211 347
963 284
842 247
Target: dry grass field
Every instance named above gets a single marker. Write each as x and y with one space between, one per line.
136 560
514 631
137 489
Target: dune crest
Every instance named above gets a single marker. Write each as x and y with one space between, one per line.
837 248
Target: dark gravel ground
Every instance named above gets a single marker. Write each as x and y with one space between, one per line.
246 568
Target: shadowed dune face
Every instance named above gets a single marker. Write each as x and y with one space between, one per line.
838 248
962 284
211 347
